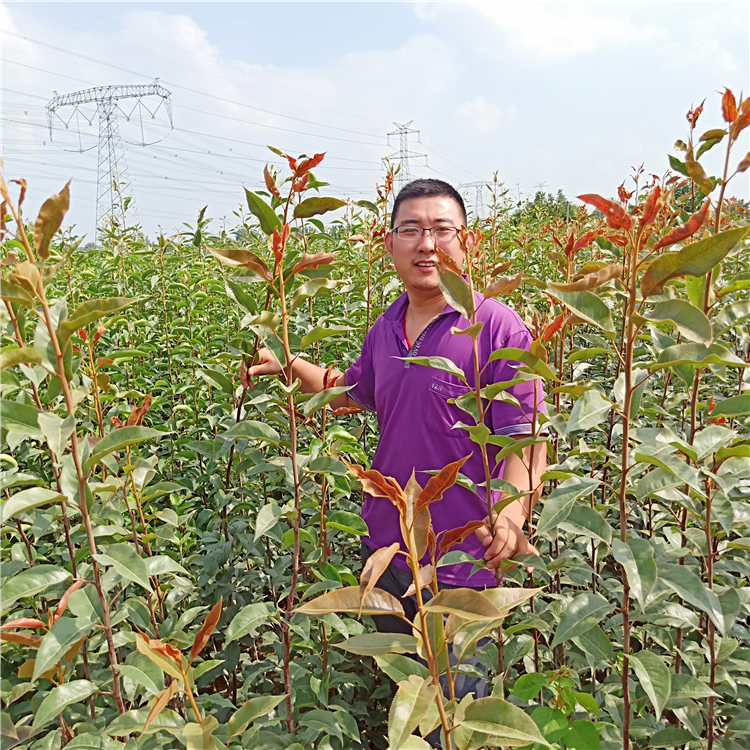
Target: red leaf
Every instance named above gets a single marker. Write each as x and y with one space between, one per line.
312 261
569 244
23 622
63 605
651 207
377 485
100 331
209 624
299 185
456 536
693 224
279 241
437 485
137 415
554 327
270 183
623 194
728 106
292 163
310 163
617 218
585 241
25 639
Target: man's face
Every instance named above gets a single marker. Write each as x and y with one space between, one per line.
415 260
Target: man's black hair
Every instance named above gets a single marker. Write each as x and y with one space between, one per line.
427 188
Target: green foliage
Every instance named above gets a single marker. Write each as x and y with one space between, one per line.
180 545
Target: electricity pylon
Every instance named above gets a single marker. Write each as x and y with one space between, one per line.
403 154
465 189
113 186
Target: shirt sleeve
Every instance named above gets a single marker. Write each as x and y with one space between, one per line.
361 375
520 414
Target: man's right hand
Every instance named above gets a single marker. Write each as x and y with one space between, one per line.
266 364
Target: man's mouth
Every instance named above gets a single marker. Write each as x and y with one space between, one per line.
426 264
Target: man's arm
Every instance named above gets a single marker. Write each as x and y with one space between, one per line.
509 539
311 375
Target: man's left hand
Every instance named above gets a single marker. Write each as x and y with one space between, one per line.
507 542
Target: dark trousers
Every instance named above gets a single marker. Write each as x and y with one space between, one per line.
396 581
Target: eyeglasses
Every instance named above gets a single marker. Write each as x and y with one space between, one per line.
412 234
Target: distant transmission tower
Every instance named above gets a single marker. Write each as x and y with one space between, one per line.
113 186
403 155
478 187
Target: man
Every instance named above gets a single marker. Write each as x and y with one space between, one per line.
411 401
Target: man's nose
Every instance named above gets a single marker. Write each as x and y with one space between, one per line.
426 242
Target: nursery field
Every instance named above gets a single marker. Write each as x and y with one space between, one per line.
180 549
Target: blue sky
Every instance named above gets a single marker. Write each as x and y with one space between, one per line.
570 96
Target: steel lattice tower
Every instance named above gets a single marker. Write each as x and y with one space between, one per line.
478 187
403 155
113 185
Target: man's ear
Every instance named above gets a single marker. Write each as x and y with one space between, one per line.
471 240
389 243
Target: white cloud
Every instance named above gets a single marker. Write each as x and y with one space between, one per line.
561 30
482 116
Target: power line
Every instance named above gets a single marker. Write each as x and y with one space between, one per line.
172 84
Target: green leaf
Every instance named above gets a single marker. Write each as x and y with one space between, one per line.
438 363
89 312
587 522
87 741
134 721
31 581
323 721
217 379
678 166
587 306
119 439
348 522
58 640
25 500
263 212
20 418
399 667
687 686
318 333
673 465
311 289
505 723
126 562
512 354
267 518
552 722
319 400
248 620
696 259
528 686
139 677
16 356
731 316
60 697
161 661
250 711
56 431
734 406
582 735
201 736
653 674
409 706
585 611
377 644
690 321
560 502
670 737
315 206
589 411
637 557
254 430
456 292
688 586
159 565
470 604
347 599
596 644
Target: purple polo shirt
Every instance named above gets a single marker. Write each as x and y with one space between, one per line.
415 418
